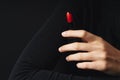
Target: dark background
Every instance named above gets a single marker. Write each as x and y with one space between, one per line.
19 21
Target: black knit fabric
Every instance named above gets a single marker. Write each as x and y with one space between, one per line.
41 60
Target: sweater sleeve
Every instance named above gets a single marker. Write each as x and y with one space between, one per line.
42 51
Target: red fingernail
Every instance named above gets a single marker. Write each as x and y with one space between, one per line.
69 17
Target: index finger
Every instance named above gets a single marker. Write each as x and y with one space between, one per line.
85 35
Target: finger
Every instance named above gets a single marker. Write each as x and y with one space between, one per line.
87 36
81 57
96 65
76 46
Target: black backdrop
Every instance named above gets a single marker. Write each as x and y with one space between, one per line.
19 21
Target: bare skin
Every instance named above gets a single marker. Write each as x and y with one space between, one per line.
99 54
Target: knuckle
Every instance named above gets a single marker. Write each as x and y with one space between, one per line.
75 56
104 55
101 46
90 57
85 57
84 32
76 45
104 66
86 66
78 57
99 38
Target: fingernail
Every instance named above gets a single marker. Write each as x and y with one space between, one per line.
64 33
67 58
60 49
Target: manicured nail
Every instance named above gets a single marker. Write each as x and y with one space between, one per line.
64 33
69 17
67 58
60 49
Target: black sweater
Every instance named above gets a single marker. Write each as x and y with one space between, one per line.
40 60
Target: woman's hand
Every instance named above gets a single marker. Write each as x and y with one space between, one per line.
99 54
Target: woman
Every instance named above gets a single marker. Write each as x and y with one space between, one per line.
98 27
